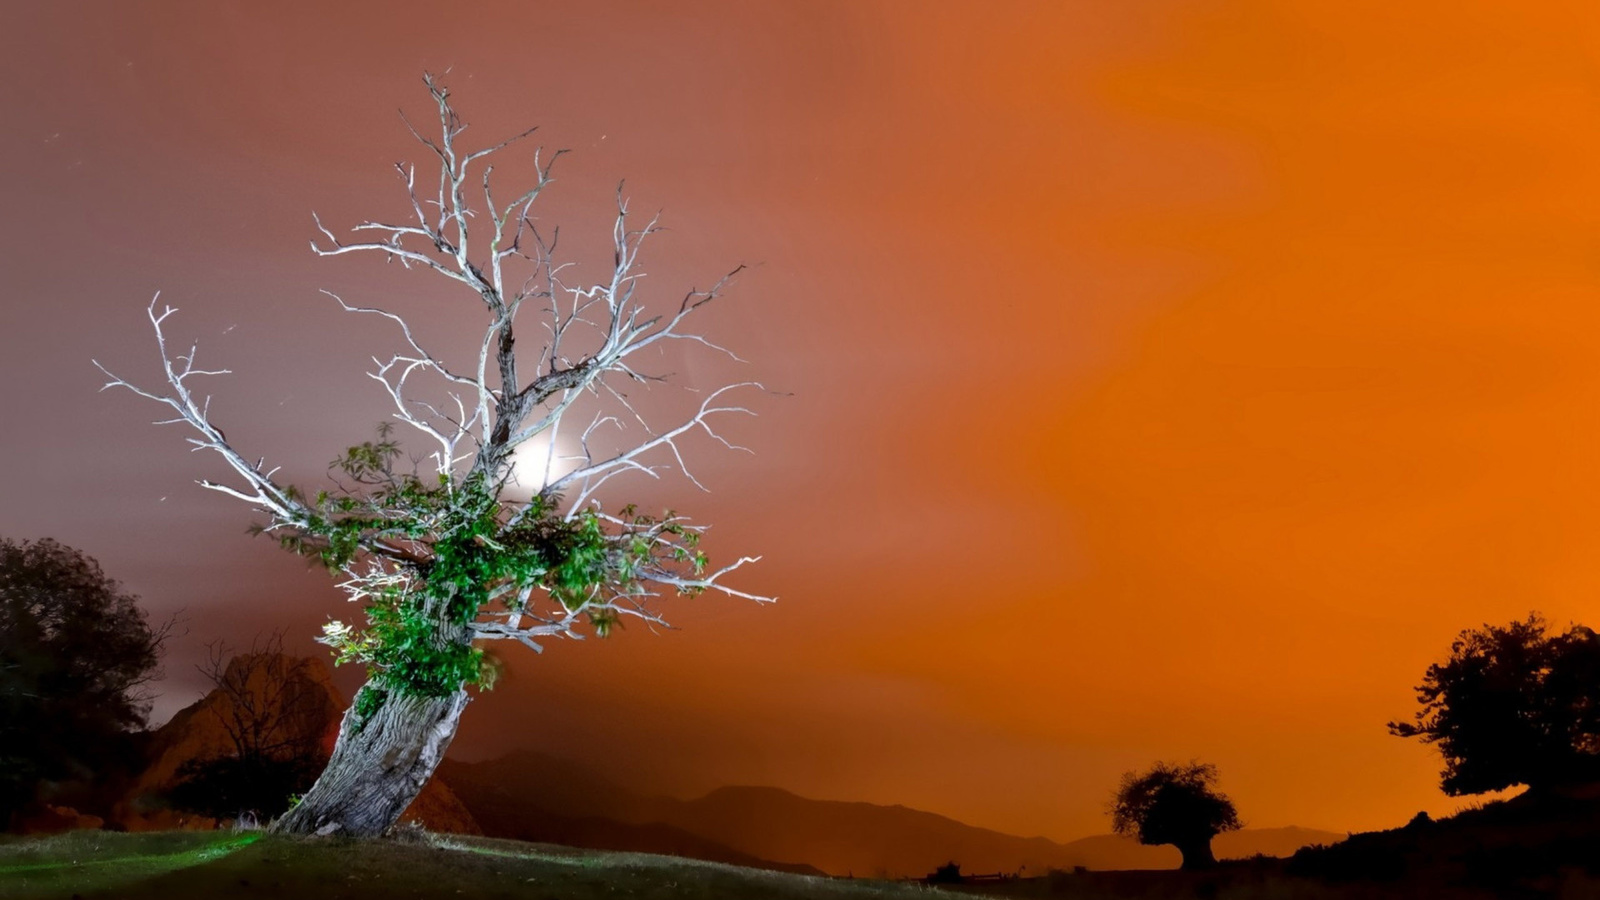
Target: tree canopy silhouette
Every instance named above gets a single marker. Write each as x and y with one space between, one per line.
74 651
1517 704
499 532
1174 803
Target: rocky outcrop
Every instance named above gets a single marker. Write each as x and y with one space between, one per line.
55 819
438 808
291 699
268 701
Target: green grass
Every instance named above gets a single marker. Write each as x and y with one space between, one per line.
90 864
76 862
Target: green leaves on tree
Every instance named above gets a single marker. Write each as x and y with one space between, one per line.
459 548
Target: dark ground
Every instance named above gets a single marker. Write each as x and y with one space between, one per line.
94 865
168 865
1544 846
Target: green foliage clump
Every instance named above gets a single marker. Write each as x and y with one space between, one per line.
368 701
457 548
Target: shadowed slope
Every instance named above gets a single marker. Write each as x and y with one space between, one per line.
1537 837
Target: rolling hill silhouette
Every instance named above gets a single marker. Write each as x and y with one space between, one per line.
536 797
1540 843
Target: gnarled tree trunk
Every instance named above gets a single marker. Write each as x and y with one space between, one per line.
1197 853
378 766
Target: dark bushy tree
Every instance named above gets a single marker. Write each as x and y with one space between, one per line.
227 787
1176 804
1513 705
74 651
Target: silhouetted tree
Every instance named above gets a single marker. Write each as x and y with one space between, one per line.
1174 804
1513 705
74 651
273 712
441 554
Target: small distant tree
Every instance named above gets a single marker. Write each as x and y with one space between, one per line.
443 549
1513 705
273 711
75 651
1175 804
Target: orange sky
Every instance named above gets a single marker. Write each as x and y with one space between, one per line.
1168 380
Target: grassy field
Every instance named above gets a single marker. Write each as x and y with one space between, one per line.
165 865
199 865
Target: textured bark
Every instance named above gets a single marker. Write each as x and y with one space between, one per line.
378 767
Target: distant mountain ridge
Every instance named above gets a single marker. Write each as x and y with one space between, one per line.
530 793
542 801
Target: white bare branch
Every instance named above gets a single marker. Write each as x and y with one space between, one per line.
260 489
475 412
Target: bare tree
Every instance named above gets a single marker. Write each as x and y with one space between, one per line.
271 707
274 710
443 556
